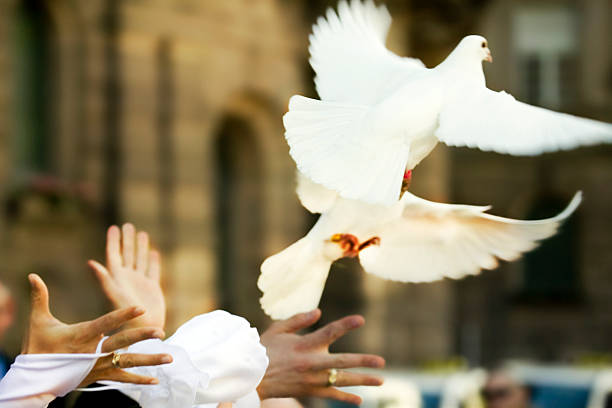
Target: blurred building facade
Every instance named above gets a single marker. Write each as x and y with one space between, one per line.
168 115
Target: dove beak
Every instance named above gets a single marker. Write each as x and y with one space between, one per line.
489 58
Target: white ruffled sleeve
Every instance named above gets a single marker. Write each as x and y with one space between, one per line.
34 380
217 358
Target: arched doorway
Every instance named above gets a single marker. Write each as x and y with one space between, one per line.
239 225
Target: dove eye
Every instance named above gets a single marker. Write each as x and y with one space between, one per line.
484 44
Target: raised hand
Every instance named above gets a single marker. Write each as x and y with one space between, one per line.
132 275
46 334
300 364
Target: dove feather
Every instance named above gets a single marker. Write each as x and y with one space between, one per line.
495 121
420 241
292 281
343 154
314 197
445 240
377 109
349 57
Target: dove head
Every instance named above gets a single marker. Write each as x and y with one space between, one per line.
475 46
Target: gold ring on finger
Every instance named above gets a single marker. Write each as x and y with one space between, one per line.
332 377
115 360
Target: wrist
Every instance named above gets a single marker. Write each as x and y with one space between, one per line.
261 391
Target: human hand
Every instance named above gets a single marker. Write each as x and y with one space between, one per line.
133 275
7 310
48 335
299 364
281 403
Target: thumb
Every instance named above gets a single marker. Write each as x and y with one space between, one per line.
297 322
39 295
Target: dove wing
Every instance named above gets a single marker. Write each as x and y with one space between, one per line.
495 121
433 240
349 57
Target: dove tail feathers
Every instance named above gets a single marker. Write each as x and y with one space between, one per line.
292 280
331 144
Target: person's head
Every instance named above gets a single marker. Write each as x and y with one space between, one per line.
502 390
7 310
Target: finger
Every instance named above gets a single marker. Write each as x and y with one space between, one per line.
297 322
336 394
142 251
114 259
333 331
129 360
127 241
39 295
154 270
347 379
114 374
128 337
327 361
113 320
100 271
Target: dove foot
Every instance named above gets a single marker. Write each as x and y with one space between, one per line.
371 241
406 182
350 244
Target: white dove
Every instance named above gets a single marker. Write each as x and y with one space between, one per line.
414 240
381 114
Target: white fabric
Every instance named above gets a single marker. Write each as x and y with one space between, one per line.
35 401
217 358
251 400
602 386
34 380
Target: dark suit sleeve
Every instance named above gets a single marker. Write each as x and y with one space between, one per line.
104 399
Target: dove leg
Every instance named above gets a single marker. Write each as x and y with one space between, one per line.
406 182
349 244
371 241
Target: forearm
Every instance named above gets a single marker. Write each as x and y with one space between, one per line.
34 380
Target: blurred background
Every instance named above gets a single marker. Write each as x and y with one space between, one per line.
168 114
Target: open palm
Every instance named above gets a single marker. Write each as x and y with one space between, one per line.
48 335
132 275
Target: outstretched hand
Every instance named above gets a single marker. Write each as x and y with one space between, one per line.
132 275
47 334
299 364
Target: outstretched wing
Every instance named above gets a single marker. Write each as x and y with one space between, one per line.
348 54
434 240
495 121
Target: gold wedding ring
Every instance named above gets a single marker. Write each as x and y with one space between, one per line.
332 377
115 360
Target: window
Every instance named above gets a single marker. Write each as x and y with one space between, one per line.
34 91
550 272
545 39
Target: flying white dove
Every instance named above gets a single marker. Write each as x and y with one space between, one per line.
414 240
381 114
